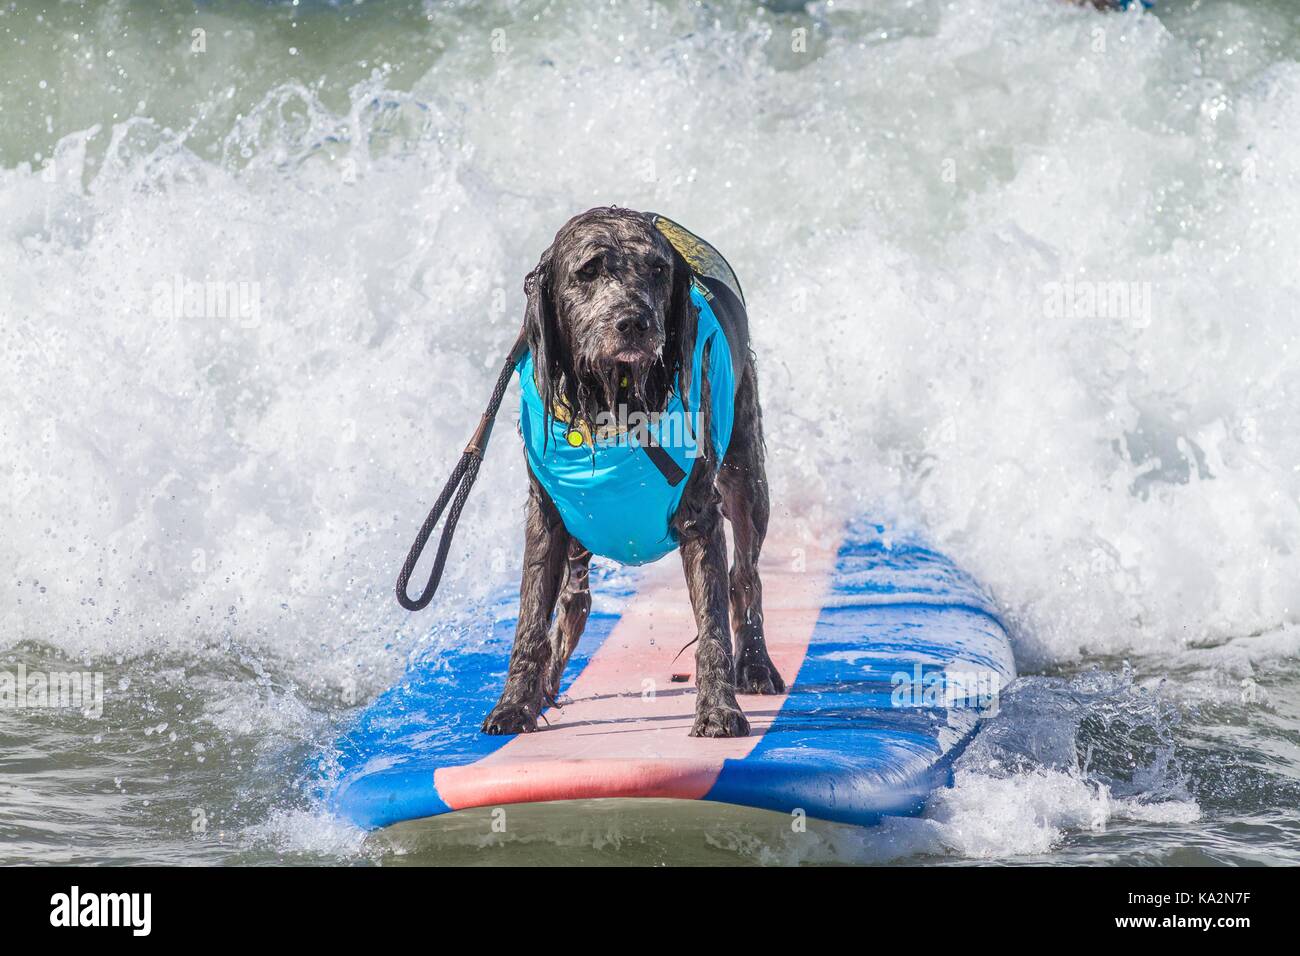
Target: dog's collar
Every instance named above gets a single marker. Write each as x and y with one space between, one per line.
580 431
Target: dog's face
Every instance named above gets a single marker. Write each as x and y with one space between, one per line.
609 303
611 282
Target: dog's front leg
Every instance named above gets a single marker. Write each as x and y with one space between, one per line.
572 608
704 559
546 543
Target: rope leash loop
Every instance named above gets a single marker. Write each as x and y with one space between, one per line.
456 491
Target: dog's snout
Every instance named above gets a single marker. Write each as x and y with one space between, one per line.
639 322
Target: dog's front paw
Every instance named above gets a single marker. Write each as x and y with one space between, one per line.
758 677
720 720
509 717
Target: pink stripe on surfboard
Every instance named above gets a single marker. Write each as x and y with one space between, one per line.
614 739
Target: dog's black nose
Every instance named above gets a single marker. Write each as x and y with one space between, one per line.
628 323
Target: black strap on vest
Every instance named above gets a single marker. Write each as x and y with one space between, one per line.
671 471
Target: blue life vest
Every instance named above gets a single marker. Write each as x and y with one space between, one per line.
609 492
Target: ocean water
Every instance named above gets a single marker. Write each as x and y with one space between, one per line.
1021 276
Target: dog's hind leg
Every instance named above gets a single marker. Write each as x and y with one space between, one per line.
703 541
546 542
743 482
704 558
570 615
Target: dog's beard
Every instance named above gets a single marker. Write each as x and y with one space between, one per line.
601 384
638 378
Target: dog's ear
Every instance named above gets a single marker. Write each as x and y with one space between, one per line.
683 321
543 331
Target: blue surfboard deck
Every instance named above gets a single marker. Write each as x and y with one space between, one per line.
891 653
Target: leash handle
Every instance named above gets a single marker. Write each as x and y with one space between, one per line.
458 484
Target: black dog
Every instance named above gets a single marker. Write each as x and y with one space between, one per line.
611 321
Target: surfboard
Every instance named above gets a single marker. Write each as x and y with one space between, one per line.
892 657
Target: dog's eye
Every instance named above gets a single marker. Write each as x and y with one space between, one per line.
659 270
589 271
